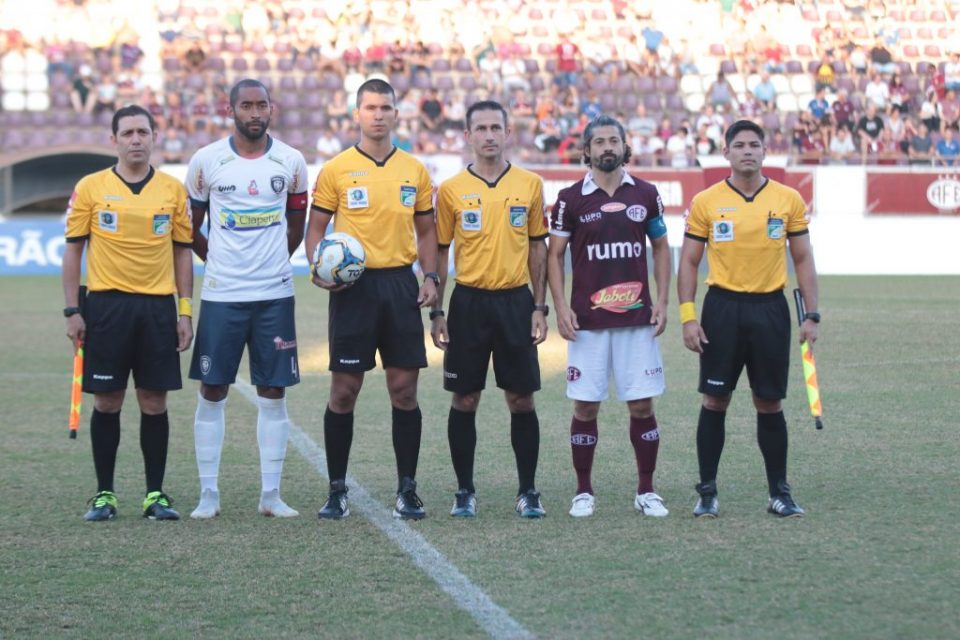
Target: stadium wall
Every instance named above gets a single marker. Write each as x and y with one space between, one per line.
864 221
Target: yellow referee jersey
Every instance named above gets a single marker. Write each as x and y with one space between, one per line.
747 237
491 225
375 202
131 235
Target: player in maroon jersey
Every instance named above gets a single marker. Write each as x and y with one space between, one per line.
612 321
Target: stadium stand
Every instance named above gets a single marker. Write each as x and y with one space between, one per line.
691 64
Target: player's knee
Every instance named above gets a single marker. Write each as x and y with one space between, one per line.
766 405
109 402
152 402
520 403
640 408
466 402
585 411
214 393
716 403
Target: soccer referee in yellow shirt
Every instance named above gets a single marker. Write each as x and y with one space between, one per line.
492 212
745 224
134 222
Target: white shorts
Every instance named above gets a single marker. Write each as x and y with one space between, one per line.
631 354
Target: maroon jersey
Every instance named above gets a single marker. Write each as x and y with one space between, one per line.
608 246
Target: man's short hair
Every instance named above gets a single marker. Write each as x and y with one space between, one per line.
131 110
243 84
604 120
486 105
376 85
742 125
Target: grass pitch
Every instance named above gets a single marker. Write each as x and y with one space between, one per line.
876 556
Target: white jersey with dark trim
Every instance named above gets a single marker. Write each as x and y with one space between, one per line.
247 201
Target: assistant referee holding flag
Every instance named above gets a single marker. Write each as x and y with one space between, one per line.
135 223
745 224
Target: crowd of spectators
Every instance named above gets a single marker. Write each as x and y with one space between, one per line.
849 87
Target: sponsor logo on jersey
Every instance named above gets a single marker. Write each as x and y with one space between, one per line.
357 198
470 196
470 220
613 207
112 198
249 220
358 174
618 298
723 231
561 208
205 364
637 212
614 250
583 439
161 224
252 188
281 345
518 216
591 217
573 374
107 220
650 436
278 184
656 371
774 228
408 195
227 188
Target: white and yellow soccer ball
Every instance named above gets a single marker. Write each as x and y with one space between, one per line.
339 258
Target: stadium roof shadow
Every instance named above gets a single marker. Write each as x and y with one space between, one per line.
32 177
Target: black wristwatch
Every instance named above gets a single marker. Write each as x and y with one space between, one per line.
436 313
812 315
70 311
542 307
432 275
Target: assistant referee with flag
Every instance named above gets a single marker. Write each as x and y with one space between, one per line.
134 222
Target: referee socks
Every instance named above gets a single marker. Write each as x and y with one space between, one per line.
462 436
105 438
711 433
772 438
525 438
407 427
337 439
154 438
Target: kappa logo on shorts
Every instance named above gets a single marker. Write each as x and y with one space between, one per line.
100 376
637 213
205 363
715 383
107 220
583 439
357 198
349 361
573 374
449 374
650 436
282 345
408 195
161 224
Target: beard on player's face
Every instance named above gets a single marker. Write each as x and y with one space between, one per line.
608 162
249 132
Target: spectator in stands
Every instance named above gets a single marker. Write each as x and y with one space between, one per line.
714 123
881 60
641 123
949 111
568 61
634 58
425 144
489 66
106 95
548 135
82 94
869 128
646 150
897 127
337 111
130 53
222 120
521 111
328 145
842 110
201 114
825 76
921 146
173 146
397 59
778 144
419 58
678 149
194 58
590 106
765 92
570 149
455 111
818 105
811 145
951 72
175 114
568 109
888 149
513 73
721 94
665 130
408 110
877 91
899 96
948 148
930 112
401 139
431 111
451 142
375 58
704 145
936 82
841 147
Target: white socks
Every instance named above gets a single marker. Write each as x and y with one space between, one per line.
273 429
208 428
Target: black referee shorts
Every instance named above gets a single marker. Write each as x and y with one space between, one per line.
745 329
378 313
130 332
482 322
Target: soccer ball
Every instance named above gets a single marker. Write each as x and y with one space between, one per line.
339 258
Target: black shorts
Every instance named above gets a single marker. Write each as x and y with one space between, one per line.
130 332
266 328
482 322
745 329
378 313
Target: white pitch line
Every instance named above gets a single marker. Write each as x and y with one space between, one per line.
491 617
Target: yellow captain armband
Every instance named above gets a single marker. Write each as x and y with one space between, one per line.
185 305
688 312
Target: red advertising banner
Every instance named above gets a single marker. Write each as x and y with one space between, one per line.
911 193
676 186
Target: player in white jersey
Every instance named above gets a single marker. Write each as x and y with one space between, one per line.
254 188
